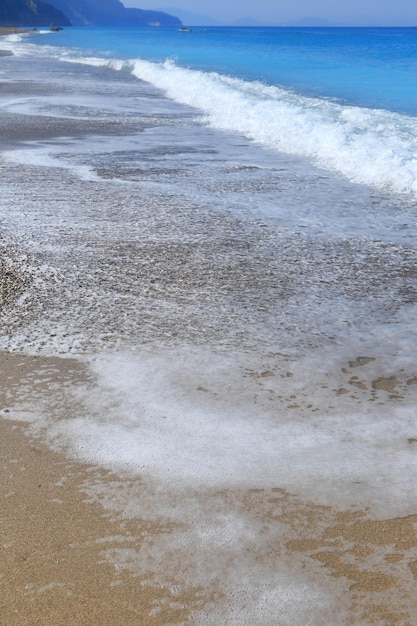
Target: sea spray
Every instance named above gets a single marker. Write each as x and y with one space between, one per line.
368 146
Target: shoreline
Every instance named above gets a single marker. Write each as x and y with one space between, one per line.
60 544
13 30
94 546
10 30
53 567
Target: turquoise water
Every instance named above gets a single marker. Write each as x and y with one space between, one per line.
344 98
370 67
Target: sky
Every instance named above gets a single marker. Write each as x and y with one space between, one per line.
271 12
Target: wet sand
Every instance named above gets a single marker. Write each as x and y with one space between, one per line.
52 568
62 544
57 538
10 30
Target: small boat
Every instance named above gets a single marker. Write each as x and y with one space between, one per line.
184 29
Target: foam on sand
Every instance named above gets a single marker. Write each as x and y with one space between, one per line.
211 449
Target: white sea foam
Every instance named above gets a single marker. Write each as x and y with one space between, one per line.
190 422
368 146
188 419
44 157
198 435
13 38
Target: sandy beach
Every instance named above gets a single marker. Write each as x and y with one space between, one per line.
53 569
82 544
10 30
57 538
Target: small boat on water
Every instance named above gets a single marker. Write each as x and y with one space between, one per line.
184 29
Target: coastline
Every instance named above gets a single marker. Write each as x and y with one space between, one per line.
59 541
97 547
12 30
53 569
9 30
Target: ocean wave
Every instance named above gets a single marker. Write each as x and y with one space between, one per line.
368 146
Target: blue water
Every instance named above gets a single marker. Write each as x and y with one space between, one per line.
345 98
367 67
238 121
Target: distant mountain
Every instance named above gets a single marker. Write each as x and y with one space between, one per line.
30 13
192 19
310 22
247 21
111 13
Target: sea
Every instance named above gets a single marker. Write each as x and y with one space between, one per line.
220 226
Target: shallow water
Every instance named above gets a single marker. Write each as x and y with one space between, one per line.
247 321
342 98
